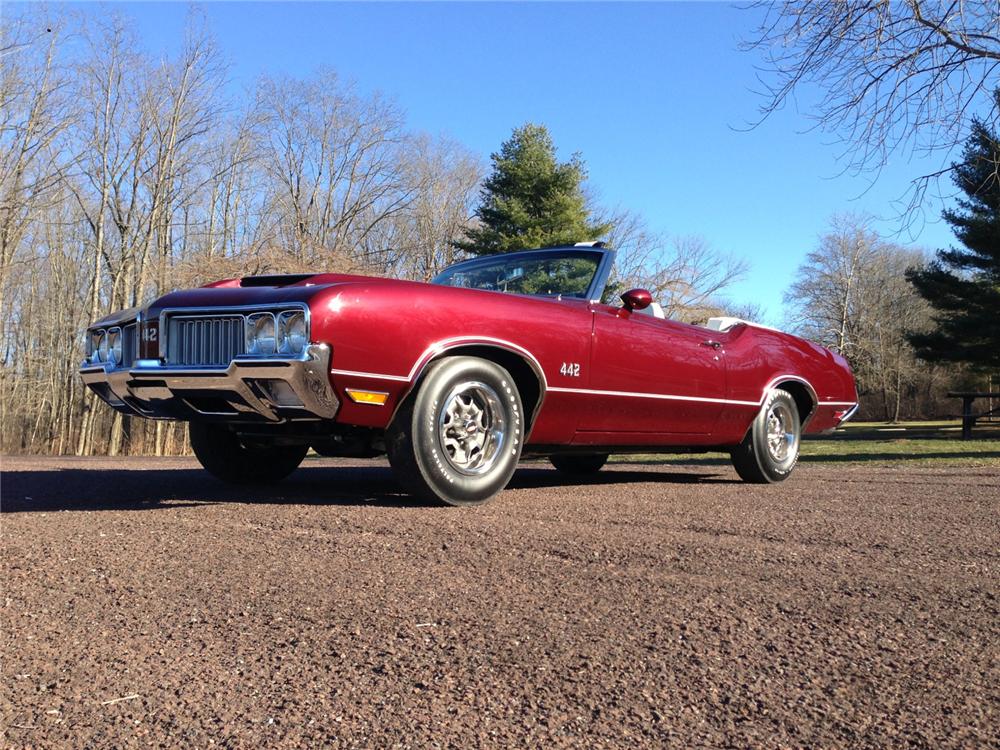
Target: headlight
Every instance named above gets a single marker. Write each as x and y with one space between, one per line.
93 342
260 334
292 333
102 346
115 344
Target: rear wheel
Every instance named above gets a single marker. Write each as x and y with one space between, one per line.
579 464
770 449
221 452
459 438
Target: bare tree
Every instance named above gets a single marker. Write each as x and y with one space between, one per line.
832 292
851 295
332 158
35 110
893 75
444 179
234 206
685 274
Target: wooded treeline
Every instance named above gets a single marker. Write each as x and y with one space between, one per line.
123 177
851 294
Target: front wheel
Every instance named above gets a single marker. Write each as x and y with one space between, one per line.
221 452
770 449
459 438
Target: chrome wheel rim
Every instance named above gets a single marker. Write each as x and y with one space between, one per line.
472 427
782 434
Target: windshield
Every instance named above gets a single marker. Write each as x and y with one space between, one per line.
567 274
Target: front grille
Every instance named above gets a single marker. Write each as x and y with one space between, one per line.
204 339
130 344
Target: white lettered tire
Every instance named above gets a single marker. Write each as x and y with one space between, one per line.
459 437
770 450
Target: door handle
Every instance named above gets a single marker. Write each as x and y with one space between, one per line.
712 343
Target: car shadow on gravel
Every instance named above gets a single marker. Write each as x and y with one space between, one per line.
531 478
156 489
153 489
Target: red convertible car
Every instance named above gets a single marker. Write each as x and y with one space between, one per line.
499 357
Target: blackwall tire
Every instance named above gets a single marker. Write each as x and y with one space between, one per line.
459 438
770 450
579 464
224 456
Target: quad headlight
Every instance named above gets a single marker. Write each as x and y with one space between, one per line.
105 346
260 334
282 333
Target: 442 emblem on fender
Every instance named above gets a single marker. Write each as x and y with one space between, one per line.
570 369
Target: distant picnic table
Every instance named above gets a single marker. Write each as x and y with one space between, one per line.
969 417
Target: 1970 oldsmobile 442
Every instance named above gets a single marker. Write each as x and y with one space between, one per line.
498 357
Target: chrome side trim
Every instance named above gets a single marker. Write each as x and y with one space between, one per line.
662 396
374 375
784 379
440 347
803 418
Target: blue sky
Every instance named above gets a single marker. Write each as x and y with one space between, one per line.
654 96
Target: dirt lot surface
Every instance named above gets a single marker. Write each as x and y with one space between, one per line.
147 605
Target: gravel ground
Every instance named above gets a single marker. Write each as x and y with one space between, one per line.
145 604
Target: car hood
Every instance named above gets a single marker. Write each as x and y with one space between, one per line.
265 290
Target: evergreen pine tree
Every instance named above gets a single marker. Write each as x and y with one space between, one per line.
963 284
531 199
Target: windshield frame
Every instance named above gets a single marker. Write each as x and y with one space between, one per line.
595 289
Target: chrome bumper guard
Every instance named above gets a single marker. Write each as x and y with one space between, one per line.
847 416
850 413
273 389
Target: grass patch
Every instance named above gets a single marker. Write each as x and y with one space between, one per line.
928 429
936 451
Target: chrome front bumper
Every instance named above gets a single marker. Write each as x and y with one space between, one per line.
275 390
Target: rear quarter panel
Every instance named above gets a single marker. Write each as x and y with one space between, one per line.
759 357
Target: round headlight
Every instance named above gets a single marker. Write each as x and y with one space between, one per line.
93 345
292 333
115 344
260 334
102 347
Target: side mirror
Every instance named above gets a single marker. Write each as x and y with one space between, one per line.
637 299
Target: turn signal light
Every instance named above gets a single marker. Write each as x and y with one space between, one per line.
376 398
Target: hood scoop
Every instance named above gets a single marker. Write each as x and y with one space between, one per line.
276 280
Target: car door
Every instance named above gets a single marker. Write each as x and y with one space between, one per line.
653 376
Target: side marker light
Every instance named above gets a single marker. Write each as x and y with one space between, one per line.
374 398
